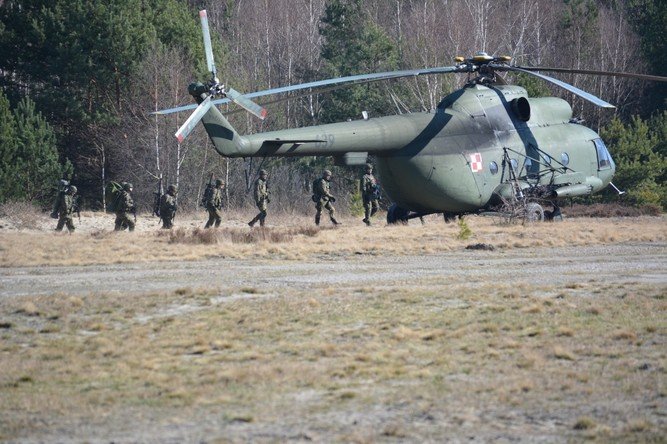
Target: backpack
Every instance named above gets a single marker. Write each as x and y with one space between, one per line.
207 196
63 184
112 194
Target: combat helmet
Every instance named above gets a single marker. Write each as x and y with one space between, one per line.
172 189
218 182
127 186
326 173
369 167
263 172
72 189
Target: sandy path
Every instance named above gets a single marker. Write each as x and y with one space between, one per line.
615 263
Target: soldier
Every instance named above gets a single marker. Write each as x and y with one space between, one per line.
124 207
370 193
168 207
64 209
261 197
214 205
323 198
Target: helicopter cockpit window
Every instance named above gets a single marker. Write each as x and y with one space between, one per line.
493 167
515 165
564 159
604 158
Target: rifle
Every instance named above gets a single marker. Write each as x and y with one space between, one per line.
156 200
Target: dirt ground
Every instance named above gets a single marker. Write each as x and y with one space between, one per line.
354 334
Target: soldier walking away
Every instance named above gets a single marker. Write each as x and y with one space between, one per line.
124 207
64 209
214 205
168 207
370 193
323 198
261 194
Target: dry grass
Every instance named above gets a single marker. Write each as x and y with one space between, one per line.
601 210
307 356
405 359
299 240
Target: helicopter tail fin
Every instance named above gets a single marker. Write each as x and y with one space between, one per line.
226 140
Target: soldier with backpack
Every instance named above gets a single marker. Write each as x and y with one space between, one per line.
123 206
168 207
261 194
370 193
213 201
323 198
64 208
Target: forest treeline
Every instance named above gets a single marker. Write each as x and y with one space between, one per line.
79 79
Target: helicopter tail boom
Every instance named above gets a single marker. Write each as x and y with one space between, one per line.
379 135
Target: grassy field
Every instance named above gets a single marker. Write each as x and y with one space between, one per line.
296 238
428 358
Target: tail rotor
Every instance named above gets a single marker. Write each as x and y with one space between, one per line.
215 89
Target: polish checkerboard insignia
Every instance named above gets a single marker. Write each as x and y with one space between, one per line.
476 162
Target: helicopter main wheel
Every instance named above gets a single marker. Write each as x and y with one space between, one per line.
396 215
534 212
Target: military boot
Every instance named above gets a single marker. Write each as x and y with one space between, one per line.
367 222
334 221
252 222
317 220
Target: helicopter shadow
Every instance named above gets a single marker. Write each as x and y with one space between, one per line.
522 129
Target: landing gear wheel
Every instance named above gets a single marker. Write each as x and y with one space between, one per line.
534 213
397 215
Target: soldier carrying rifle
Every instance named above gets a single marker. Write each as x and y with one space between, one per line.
64 208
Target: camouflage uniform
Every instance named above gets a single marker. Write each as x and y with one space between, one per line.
168 207
369 194
124 207
65 207
261 194
323 197
214 206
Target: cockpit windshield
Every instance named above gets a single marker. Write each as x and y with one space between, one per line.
604 158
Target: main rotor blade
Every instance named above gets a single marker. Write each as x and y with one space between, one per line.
629 75
246 103
573 89
340 81
193 120
208 48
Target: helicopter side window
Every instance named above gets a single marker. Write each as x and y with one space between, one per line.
564 158
546 158
515 165
493 167
604 158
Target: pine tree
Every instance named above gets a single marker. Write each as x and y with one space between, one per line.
354 45
8 149
34 167
640 166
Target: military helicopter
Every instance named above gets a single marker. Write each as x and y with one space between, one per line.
487 148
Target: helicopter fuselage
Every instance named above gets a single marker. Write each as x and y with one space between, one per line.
478 146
